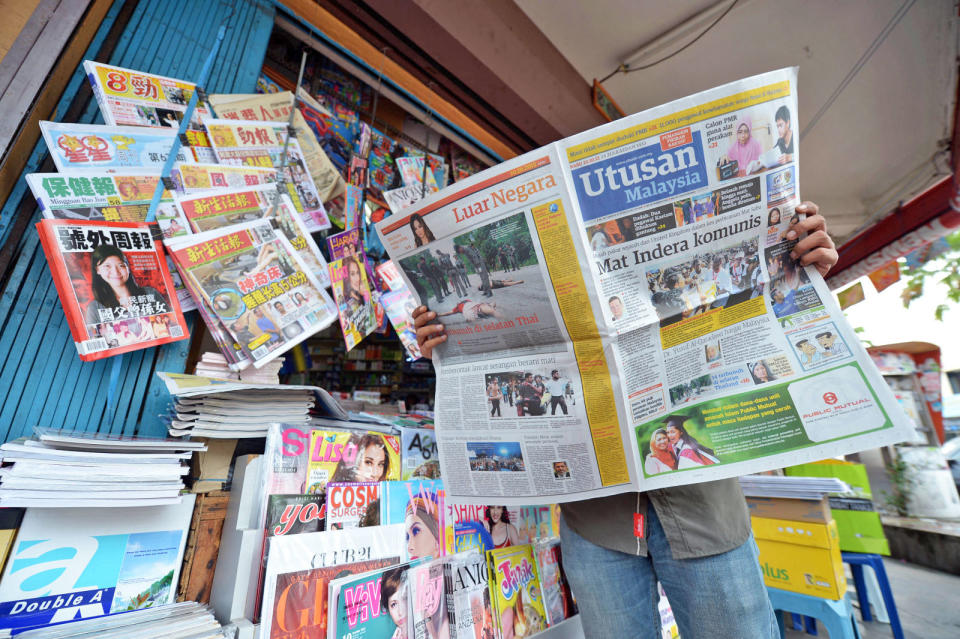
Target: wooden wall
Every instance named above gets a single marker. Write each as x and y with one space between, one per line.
42 380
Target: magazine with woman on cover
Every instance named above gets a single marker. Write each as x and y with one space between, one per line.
114 285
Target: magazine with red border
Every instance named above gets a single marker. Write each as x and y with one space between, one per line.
114 285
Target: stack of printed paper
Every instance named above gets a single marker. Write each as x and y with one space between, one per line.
185 619
791 487
207 407
58 469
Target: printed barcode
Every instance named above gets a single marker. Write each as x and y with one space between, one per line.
176 331
92 346
260 352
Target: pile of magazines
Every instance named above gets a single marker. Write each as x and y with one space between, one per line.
185 620
208 407
792 487
55 469
357 528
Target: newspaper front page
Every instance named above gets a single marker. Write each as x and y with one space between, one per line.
623 311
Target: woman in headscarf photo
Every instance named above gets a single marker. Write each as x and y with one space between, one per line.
745 149
661 457
689 451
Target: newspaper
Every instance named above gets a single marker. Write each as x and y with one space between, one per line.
96 146
253 143
623 312
256 286
223 207
276 107
133 98
120 195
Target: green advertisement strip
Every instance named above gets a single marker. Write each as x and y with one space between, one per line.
741 427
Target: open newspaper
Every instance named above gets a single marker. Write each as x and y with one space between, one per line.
623 312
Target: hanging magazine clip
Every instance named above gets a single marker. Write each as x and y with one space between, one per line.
184 140
168 183
156 233
201 95
292 132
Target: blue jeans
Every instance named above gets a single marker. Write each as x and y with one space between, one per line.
717 596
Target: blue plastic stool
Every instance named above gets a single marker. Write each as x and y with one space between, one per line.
836 616
857 561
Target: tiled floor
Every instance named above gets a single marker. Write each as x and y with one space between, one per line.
928 602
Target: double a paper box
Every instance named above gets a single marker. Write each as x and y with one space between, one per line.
800 557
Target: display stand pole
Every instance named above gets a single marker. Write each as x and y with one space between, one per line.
281 171
158 191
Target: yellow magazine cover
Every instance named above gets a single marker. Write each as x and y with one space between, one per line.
351 457
515 588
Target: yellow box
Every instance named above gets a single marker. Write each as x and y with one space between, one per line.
800 556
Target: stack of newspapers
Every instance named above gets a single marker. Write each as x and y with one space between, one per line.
65 468
214 365
206 407
186 620
791 487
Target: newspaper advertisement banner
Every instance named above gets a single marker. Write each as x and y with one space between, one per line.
133 98
222 208
253 143
624 303
276 107
96 146
252 279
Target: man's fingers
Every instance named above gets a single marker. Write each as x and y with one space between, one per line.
426 332
822 258
810 224
807 208
813 240
423 318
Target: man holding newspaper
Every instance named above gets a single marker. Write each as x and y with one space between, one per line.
697 540
687 368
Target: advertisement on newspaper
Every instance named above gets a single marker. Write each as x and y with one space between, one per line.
625 303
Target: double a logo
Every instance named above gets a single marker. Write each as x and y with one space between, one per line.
780 574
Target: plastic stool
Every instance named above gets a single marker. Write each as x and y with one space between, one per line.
857 561
836 616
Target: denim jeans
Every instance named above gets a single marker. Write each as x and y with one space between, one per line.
720 596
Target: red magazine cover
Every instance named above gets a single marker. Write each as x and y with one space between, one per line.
114 286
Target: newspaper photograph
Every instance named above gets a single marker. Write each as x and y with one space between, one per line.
253 143
623 304
96 146
256 285
224 207
132 98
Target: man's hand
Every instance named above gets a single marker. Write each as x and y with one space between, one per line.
429 336
816 248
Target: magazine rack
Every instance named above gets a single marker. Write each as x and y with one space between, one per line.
234 590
